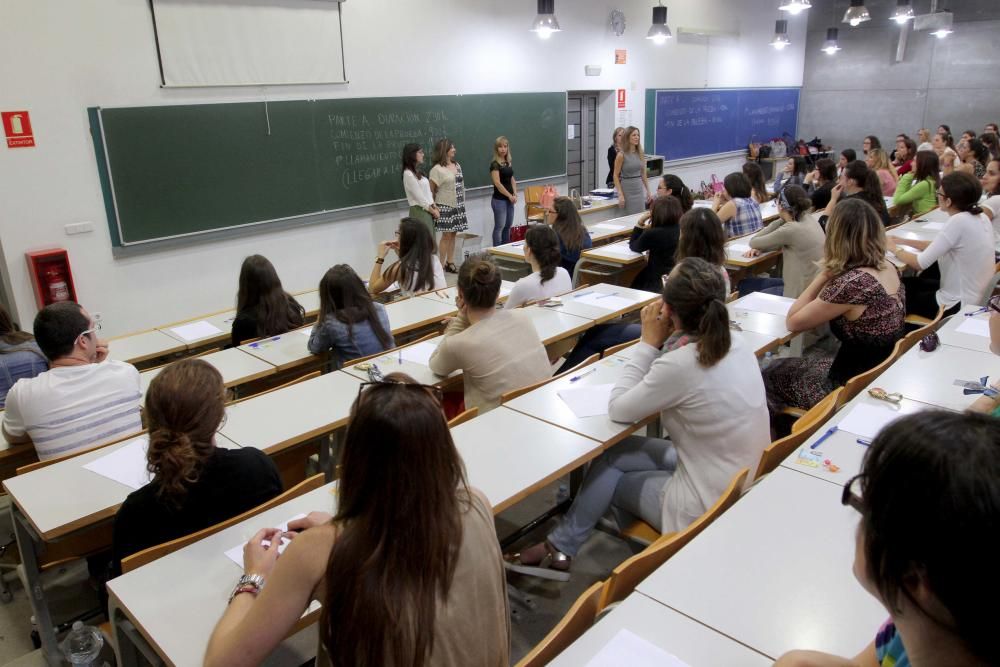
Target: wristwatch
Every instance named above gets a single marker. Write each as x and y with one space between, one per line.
248 583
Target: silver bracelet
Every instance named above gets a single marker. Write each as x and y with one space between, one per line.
247 581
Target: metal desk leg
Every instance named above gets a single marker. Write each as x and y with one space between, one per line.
30 547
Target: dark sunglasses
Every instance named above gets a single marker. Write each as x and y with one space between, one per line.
851 496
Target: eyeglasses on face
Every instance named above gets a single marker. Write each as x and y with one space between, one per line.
93 329
851 494
941 195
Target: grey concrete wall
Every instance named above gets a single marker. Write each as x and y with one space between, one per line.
863 90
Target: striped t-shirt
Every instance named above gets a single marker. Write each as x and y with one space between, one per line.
71 408
889 650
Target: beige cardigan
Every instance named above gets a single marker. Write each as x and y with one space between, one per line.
801 243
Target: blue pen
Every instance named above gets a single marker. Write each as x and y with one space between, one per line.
864 441
583 374
830 431
976 312
604 295
515 245
577 296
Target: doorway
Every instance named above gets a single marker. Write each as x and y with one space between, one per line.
581 144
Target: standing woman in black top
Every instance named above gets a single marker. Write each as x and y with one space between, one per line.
659 236
504 191
263 308
195 483
613 150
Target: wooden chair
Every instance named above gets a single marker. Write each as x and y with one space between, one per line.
532 203
463 417
140 558
514 393
854 385
802 429
624 578
615 349
578 619
912 338
735 294
920 321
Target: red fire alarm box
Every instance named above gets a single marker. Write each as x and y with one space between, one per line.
51 276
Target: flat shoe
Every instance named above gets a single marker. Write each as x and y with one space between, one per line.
542 560
450 267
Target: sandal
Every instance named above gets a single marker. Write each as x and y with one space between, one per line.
542 560
450 267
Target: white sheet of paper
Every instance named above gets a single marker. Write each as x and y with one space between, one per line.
766 303
616 251
628 648
305 332
934 225
589 400
702 202
605 225
126 465
197 330
867 420
738 247
974 326
236 553
605 301
419 353
505 290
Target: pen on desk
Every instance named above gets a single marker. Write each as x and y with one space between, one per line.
864 441
518 244
577 296
583 374
733 324
977 312
830 431
400 357
604 295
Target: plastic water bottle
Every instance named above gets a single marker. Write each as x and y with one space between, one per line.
83 644
766 361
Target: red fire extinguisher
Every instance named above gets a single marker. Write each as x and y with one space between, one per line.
56 284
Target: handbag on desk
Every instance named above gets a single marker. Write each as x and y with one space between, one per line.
548 197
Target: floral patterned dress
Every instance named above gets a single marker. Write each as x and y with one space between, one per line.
864 343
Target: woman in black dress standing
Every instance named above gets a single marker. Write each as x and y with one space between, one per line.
613 150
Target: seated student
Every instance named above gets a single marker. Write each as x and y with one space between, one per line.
263 308
924 140
738 212
799 237
870 143
929 499
195 483
673 185
706 385
401 582
991 207
349 322
878 162
659 238
496 350
847 156
793 173
859 182
963 251
573 236
83 400
541 251
20 356
973 156
418 268
906 151
758 185
918 188
992 144
944 146
859 293
821 181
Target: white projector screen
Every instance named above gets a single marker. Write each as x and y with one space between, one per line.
249 42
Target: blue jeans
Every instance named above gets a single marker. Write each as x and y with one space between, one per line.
503 218
628 478
774 286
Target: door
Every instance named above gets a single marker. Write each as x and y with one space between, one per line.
581 144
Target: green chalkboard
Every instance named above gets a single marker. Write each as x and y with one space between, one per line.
173 171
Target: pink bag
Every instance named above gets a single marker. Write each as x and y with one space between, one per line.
548 197
717 186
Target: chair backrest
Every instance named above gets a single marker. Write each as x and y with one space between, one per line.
514 393
578 619
307 376
532 201
733 296
463 417
991 286
615 349
912 338
854 385
803 427
140 558
626 576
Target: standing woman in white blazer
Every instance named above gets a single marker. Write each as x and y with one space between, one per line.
418 187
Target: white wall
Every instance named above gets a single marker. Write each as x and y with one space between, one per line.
61 57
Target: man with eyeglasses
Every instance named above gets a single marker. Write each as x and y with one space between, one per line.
83 400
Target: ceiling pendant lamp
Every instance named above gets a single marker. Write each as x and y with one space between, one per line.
857 13
545 23
659 32
904 11
832 44
780 40
793 7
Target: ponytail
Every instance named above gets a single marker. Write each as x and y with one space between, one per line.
696 292
714 336
544 246
175 461
964 191
795 200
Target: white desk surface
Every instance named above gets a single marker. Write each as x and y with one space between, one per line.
413 313
391 362
736 247
552 325
141 346
276 419
309 300
761 323
282 351
613 253
929 377
769 210
235 365
774 572
512 250
175 601
663 627
63 497
449 294
509 455
544 402
598 205
949 336
571 305
601 232
222 321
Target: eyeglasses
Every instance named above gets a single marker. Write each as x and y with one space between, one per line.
93 329
852 493
941 194
374 372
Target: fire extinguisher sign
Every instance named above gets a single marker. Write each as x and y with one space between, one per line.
17 129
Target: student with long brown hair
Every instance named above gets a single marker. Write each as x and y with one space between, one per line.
878 161
263 307
858 181
658 236
758 184
408 569
418 268
918 187
418 187
707 388
547 278
859 293
573 236
349 322
195 484
702 236
20 356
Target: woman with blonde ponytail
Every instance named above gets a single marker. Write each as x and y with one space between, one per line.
195 484
707 387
